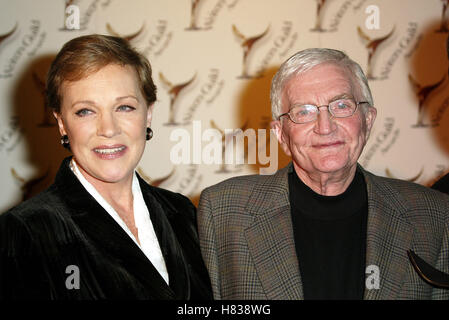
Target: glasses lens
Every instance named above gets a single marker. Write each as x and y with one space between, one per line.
342 108
302 114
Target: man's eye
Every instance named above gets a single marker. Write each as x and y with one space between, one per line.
125 108
303 112
342 105
83 112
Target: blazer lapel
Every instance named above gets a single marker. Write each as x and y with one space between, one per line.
170 247
270 238
389 237
106 235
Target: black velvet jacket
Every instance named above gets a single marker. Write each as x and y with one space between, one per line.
64 226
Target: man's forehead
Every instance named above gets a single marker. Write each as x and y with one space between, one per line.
323 81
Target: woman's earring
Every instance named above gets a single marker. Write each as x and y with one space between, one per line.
65 141
149 133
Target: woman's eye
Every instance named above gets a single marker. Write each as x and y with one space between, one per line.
125 108
83 112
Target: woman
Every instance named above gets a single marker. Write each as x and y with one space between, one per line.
100 231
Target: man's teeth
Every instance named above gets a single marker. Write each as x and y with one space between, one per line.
111 150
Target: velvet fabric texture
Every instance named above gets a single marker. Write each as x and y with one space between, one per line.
64 226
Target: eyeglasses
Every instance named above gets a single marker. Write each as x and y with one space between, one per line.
341 108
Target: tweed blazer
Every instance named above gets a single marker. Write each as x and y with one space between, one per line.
64 227
247 242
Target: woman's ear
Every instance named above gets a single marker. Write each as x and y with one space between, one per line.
150 115
61 127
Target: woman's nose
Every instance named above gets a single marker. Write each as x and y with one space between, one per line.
107 126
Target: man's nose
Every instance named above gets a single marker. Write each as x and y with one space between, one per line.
324 123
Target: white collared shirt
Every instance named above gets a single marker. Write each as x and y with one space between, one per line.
147 236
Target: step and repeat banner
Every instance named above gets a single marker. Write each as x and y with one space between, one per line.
213 61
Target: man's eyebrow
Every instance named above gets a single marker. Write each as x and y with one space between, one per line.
337 97
342 96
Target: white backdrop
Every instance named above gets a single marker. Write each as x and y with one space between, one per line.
196 48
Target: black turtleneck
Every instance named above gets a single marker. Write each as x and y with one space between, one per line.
330 239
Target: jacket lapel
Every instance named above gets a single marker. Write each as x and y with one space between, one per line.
271 243
106 235
389 237
170 247
270 238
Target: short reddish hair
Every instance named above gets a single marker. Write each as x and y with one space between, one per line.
85 55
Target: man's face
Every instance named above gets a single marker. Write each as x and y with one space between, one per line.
327 145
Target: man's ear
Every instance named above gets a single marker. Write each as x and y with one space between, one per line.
276 125
370 116
61 127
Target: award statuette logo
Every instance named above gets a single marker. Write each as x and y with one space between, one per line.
372 46
227 137
155 182
318 18
173 91
5 36
29 188
47 120
423 93
129 37
412 179
194 15
247 44
443 24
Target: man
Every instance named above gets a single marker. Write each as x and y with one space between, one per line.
323 227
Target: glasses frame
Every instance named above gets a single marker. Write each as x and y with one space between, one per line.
328 110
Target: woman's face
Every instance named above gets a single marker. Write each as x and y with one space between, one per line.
105 117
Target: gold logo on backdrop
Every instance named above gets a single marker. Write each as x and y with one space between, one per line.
5 36
247 44
128 37
423 93
194 7
443 24
47 119
412 179
28 187
173 91
319 16
156 182
372 46
226 138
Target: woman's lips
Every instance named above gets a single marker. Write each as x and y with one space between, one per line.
110 152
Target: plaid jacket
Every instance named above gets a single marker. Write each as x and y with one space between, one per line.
247 241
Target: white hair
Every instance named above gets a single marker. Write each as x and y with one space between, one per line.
305 60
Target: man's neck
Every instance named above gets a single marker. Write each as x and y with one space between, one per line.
327 184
